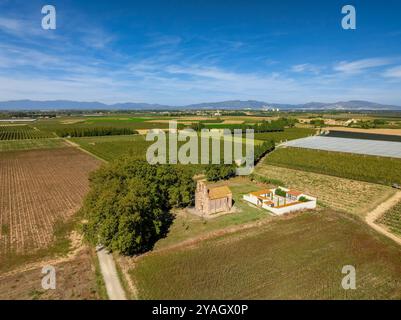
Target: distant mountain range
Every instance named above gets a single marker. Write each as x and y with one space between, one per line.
234 104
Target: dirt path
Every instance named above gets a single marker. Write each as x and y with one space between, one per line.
108 267
75 145
372 216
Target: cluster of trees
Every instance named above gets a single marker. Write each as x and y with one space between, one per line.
260 127
93 132
216 172
369 124
268 126
317 122
128 207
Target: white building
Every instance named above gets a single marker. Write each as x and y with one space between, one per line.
281 200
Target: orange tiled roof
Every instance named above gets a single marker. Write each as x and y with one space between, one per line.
294 193
260 192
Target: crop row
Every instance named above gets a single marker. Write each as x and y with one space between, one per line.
392 219
22 133
382 170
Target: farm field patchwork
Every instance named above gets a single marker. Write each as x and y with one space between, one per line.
342 194
270 262
380 170
40 191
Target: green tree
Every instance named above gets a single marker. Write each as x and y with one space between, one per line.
215 172
128 208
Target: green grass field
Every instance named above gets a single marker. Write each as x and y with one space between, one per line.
380 170
288 258
112 147
287 134
392 219
15 145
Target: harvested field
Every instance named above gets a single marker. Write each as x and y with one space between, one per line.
75 278
39 189
356 197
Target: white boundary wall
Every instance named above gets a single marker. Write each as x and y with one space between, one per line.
252 199
311 204
291 208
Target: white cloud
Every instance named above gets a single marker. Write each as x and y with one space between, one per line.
393 72
24 28
305 67
358 66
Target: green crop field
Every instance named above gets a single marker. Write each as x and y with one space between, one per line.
270 262
380 170
22 133
287 134
392 219
112 147
15 145
54 125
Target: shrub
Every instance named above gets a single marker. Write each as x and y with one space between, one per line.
303 199
280 192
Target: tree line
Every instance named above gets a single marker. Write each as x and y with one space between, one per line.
93 132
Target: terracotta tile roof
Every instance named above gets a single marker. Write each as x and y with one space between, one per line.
219 192
294 193
260 192
268 202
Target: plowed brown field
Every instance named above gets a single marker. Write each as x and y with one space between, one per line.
38 189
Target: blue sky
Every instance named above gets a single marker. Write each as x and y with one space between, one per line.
180 52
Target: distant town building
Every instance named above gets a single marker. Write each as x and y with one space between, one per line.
211 198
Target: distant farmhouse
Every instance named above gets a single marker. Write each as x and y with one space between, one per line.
281 200
210 198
